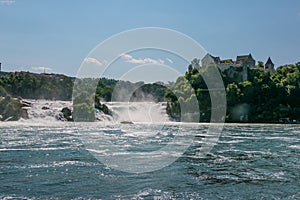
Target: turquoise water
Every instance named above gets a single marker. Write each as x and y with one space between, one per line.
51 162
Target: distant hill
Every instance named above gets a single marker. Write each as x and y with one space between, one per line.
29 85
36 86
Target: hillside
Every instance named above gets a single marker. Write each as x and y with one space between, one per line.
263 98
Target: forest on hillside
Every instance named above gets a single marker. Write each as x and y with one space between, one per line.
264 97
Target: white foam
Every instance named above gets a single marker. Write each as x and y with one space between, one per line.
48 111
138 112
295 146
45 110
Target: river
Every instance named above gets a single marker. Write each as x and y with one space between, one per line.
52 161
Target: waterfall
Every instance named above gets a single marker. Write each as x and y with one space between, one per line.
46 110
130 112
138 111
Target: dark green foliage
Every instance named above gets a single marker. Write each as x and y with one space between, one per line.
37 86
260 64
2 91
60 87
67 114
101 106
173 106
262 98
149 92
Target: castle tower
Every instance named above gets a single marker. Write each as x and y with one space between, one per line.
246 60
269 66
209 59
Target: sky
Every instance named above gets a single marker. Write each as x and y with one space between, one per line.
58 35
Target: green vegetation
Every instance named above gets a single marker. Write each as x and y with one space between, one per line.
87 100
37 86
262 98
60 87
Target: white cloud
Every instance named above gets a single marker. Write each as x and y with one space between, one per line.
42 69
126 56
131 59
169 60
7 2
93 61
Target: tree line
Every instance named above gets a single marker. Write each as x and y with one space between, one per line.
263 97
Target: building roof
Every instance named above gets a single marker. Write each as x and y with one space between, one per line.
216 59
244 57
227 61
269 62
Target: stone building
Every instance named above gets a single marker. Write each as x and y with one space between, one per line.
237 69
269 66
246 61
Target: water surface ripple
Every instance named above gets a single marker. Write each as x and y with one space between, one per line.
51 162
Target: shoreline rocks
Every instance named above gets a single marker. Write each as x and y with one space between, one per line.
12 109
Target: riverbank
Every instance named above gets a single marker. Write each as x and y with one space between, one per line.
51 111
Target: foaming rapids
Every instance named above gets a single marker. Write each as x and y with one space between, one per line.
121 112
46 110
148 112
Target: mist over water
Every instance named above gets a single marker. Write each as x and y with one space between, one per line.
149 112
45 111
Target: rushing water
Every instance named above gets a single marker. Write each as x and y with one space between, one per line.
45 110
138 111
51 162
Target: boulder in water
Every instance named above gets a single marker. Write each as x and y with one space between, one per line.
60 117
26 103
11 109
126 122
67 113
45 108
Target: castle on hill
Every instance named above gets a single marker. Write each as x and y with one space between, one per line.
238 67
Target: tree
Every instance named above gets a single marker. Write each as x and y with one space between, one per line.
233 94
260 65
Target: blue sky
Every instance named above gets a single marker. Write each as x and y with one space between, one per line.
59 34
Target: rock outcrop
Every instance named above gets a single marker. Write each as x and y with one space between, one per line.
12 109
